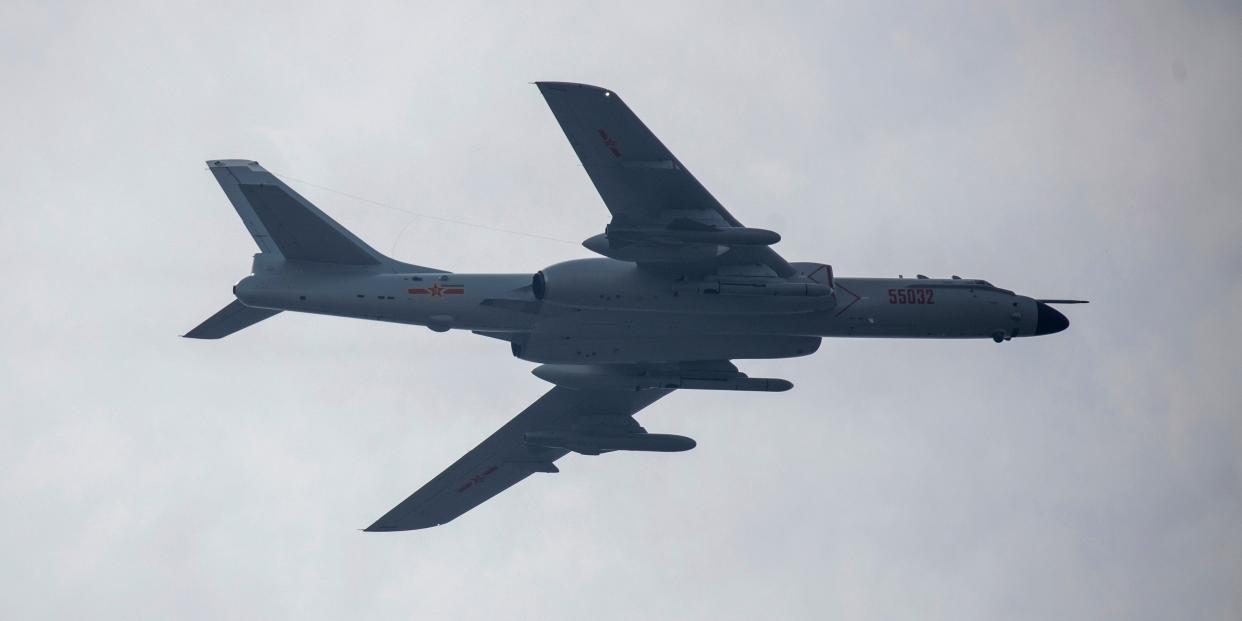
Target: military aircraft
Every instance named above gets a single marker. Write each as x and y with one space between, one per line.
682 289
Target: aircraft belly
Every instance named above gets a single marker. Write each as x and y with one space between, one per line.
594 349
656 324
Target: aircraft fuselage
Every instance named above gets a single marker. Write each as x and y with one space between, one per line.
683 291
602 310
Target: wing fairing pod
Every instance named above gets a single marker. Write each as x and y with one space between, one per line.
639 377
652 252
594 444
672 245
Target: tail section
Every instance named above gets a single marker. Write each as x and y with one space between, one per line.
285 224
228 320
286 227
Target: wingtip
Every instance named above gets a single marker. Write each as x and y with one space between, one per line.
226 163
387 529
565 86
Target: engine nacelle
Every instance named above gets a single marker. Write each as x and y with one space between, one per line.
599 283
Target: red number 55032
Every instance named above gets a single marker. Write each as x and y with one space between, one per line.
911 296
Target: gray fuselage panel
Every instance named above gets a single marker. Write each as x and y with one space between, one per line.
620 302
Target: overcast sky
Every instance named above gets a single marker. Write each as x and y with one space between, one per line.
1088 150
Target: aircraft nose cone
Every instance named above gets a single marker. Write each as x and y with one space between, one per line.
1049 320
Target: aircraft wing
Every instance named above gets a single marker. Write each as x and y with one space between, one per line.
661 214
509 455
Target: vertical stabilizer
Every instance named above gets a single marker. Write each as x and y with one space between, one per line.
285 224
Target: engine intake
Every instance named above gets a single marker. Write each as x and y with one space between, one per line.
539 285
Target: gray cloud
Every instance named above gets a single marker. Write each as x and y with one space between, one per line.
1064 150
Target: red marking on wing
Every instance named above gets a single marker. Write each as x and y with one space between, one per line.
611 143
454 291
478 478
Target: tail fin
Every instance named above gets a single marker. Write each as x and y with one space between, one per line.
285 224
228 320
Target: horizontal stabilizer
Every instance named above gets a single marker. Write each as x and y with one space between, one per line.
228 320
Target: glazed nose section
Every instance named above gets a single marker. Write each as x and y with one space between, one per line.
1049 320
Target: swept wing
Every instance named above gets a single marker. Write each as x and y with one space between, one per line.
564 419
661 215
662 218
